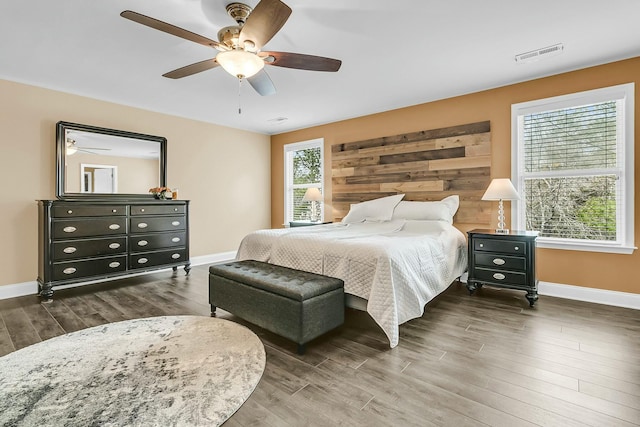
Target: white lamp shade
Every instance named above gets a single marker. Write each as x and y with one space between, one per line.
312 195
501 189
239 63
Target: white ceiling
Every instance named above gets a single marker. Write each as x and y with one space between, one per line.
395 53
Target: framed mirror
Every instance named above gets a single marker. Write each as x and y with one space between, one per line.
99 163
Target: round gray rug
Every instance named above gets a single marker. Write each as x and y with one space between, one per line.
160 371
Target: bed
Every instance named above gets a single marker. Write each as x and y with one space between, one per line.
397 259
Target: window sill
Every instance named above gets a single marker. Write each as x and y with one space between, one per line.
587 247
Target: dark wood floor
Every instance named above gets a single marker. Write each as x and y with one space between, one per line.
485 359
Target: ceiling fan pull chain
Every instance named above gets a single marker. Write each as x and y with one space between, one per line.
239 104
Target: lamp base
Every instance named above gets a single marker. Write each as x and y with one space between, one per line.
502 231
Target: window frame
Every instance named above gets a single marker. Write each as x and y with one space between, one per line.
625 92
288 173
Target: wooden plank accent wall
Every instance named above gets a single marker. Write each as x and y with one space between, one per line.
426 166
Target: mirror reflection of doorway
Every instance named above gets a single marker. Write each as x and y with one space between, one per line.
99 178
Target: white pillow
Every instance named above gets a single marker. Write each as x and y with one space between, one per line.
373 210
443 210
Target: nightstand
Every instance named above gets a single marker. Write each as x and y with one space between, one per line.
503 260
303 223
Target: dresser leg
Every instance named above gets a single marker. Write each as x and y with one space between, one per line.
187 268
46 293
471 287
532 297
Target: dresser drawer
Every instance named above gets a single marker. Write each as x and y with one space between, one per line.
500 261
68 229
160 223
503 246
151 259
147 242
157 209
72 211
500 276
70 249
87 268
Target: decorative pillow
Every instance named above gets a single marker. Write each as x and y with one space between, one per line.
443 210
373 210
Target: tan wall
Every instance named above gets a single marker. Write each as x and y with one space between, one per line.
215 167
588 269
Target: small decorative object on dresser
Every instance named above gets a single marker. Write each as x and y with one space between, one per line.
90 240
505 260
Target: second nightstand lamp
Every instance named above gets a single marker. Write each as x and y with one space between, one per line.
501 189
314 196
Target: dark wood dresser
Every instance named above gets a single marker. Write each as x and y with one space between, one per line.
83 241
503 260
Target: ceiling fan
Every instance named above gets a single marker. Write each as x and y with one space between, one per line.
240 45
72 147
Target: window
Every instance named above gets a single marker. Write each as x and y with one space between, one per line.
302 169
573 168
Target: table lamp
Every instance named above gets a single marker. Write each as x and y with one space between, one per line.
314 196
501 189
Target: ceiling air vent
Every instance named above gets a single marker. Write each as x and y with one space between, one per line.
536 55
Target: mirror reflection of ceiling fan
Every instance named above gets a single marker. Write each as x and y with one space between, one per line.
240 45
72 148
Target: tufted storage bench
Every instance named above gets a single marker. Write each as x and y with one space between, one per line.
294 304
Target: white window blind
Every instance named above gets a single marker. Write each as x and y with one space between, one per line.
572 169
303 169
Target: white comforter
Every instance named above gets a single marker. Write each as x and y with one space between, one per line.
397 266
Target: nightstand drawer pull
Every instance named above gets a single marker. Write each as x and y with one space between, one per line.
69 229
143 225
114 227
175 256
482 245
69 250
175 239
175 223
114 264
498 261
69 270
143 261
69 211
142 210
143 243
114 245
516 248
499 276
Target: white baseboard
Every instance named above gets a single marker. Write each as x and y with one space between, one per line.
598 296
31 288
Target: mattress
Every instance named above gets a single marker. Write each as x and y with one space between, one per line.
397 266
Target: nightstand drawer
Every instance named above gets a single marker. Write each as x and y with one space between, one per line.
503 246
494 260
500 276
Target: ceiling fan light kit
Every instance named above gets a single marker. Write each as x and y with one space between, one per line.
240 45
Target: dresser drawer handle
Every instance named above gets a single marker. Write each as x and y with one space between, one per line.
143 243
175 209
175 239
114 245
143 261
69 211
516 248
176 223
499 276
143 225
498 261
69 270
481 245
114 226
69 229
175 256
69 250
114 264
142 210
114 210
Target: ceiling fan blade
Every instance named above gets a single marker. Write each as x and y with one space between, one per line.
262 83
171 29
264 22
189 70
301 61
